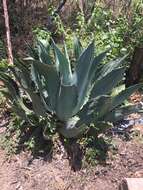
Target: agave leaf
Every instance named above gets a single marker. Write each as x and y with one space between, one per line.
94 110
102 106
83 66
96 65
123 95
66 102
22 74
43 53
118 89
22 65
15 72
71 129
115 101
120 113
106 104
77 48
24 79
11 85
82 73
107 83
33 52
107 68
14 91
63 65
38 82
84 95
66 52
36 103
48 74
35 77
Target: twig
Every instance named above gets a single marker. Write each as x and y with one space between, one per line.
9 46
59 7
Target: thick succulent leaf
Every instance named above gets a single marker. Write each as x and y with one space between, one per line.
11 85
22 74
96 65
71 129
102 105
86 113
89 83
24 79
77 48
66 102
113 102
38 82
94 110
37 104
120 113
107 83
43 53
50 83
14 91
15 72
32 52
100 109
118 89
35 77
83 66
45 43
82 71
123 95
22 65
106 104
107 68
63 65
66 52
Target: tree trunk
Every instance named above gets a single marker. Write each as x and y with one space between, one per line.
133 74
9 46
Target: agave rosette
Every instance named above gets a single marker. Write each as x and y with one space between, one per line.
78 96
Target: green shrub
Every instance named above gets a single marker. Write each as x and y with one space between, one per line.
122 31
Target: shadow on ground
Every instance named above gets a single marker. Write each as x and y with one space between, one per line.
76 151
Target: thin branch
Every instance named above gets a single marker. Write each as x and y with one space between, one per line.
59 7
9 46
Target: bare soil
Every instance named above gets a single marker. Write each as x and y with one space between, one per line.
22 172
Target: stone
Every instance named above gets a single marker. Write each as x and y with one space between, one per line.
131 184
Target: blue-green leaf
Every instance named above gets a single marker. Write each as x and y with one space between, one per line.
120 113
44 53
66 102
107 68
50 82
63 65
123 95
107 83
77 48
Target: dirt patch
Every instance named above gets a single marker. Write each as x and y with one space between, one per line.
22 172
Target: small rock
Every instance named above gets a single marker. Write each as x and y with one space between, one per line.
131 184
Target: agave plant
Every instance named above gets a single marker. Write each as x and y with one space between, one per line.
77 95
